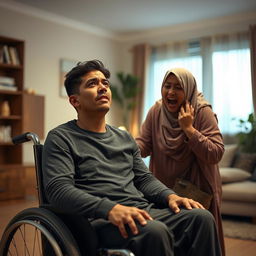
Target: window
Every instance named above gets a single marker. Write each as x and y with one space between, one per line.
229 89
232 96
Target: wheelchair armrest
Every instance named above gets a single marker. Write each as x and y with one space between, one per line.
26 137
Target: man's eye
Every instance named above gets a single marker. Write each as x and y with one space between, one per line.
106 83
90 85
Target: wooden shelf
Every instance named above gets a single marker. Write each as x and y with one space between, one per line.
10 66
27 115
12 117
9 92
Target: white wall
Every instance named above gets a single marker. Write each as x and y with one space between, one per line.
45 44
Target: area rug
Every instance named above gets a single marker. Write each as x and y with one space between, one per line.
239 229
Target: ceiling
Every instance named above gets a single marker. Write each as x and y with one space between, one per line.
123 16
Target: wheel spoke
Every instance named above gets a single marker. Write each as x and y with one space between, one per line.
23 236
37 232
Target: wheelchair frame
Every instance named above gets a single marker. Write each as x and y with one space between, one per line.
44 230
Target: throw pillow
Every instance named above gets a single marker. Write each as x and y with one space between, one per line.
253 178
228 156
245 161
230 174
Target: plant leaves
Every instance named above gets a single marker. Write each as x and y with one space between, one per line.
247 136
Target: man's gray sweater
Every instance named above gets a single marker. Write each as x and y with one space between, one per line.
88 173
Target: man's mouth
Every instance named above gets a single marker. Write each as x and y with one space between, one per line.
102 97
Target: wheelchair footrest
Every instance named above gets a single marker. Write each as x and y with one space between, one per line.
115 252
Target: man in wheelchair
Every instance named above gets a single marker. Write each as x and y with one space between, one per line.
95 170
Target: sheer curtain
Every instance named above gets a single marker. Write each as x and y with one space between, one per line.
221 66
232 95
252 34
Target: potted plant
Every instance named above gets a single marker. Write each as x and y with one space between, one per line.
125 94
247 136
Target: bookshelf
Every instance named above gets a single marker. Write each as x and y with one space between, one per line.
25 113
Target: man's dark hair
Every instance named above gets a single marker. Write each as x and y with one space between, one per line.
74 76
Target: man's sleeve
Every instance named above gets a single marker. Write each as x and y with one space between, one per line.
59 172
153 189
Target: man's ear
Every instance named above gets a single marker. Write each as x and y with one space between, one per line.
74 100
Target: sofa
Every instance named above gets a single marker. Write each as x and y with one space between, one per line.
238 174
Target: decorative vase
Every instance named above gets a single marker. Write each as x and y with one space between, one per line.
5 109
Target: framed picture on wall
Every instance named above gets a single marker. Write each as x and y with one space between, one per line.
65 67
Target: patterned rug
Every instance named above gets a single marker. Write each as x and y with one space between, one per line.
241 229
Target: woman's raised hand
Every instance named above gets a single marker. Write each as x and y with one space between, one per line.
186 118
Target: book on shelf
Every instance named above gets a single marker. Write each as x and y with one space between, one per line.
6 55
1 54
6 80
8 88
7 83
9 55
13 55
5 133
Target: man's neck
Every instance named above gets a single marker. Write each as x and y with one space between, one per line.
92 123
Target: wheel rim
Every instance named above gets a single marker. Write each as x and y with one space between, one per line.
30 238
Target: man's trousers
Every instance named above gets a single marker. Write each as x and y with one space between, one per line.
187 233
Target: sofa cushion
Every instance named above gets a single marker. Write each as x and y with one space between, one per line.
245 161
230 174
244 191
228 156
253 178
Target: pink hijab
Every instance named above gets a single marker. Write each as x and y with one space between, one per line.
172 138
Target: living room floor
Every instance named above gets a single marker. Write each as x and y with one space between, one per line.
234 247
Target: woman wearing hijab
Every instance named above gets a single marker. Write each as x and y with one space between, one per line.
182 138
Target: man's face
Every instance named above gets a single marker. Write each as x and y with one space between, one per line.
94 93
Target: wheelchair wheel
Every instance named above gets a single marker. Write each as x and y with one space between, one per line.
37 231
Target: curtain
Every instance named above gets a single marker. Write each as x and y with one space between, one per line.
231 80
252 33
141 55
221 66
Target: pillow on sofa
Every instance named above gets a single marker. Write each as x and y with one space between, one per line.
230 174
253 178
245 161
228 156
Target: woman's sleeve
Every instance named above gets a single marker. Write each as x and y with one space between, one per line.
207 142
144 140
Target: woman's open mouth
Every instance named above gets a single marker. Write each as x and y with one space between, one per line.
172 101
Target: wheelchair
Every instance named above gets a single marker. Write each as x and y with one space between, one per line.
46 231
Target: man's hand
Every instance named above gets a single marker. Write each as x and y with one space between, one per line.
120 215
175 201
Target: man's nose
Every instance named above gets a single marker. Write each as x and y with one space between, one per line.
102 87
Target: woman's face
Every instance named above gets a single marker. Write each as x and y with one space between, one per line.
173 95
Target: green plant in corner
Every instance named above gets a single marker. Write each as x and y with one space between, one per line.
247 136
125 94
